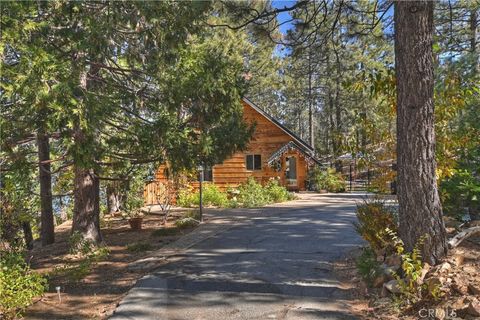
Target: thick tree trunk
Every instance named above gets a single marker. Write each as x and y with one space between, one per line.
114 198
86 210
420 210
47 231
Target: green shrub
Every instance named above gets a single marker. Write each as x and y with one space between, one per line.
186 198
83 267
164 232
374 218
212 196
368 266
234 203
381 180
87 249
74 272
79 245
189 219
186 223
89 254
336 182
327 180
249 194
460 191
318 179
139 247
277 193
18 284
99 254
194 214
252 194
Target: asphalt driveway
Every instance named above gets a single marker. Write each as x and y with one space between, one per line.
275 265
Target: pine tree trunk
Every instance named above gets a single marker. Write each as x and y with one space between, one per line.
114 198
310 103
473 39
27 234
473 30
47 232
86 210
332 126
338 108
420 210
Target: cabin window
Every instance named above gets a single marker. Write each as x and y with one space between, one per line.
254 162
208 173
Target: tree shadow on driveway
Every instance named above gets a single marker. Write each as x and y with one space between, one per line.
277 265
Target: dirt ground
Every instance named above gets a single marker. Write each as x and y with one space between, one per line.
96 295
346 271
459 276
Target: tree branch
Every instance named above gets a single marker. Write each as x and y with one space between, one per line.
264 14
467 233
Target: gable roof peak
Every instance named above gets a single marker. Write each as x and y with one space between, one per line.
296 138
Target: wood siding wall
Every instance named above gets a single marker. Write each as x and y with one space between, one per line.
267 138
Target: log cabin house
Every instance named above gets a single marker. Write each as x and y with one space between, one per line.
273 152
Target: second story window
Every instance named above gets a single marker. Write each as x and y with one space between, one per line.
254 162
